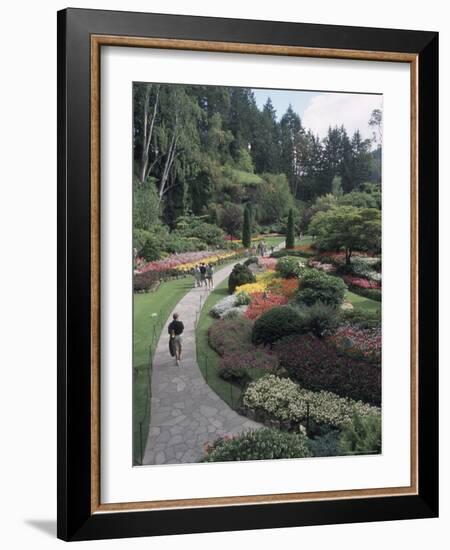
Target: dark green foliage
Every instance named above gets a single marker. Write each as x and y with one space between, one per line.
290 231
363 319
152 249
263 444
326 444
192 227
240 275
247 227
298 253
317 286
362 436
317 364
275 324
319 318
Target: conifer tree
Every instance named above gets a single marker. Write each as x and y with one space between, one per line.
290 233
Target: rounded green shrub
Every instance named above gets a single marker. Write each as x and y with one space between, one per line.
290 267
240 275
317 286
319 318
152 249
263 444
252 260
275 324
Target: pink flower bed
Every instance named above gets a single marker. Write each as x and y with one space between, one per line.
328 268
366 342
360 282
268 263
176 260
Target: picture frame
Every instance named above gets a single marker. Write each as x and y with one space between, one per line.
81 35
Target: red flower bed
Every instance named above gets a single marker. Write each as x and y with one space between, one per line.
360 282
285 287
262 302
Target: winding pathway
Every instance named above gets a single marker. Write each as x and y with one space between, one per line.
185 412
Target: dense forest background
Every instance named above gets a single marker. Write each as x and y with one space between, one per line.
203 153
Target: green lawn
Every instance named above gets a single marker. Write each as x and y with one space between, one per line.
207 358
306 239
150 312
359 302
274 240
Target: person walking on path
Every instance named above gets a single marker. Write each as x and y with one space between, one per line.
203 274
210 276
197 276
176 329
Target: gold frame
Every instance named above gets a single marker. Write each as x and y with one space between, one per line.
97 41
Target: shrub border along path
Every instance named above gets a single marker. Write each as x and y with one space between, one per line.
185 412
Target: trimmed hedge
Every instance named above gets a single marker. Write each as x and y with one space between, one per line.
318 286
276 323
145 282
240 275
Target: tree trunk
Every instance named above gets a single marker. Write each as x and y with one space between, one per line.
148 133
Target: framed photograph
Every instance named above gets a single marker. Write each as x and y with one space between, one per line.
247 240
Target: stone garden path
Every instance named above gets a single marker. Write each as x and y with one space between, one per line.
185 412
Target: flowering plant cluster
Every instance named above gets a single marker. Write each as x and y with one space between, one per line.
285 287
223 306
263 444
231 339
319 364
284 400
263 281
359 342
268 263
360 282
262 302
364 267
186 261
328 268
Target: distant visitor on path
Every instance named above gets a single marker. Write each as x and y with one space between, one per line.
176 329
197 276
210 275
203 274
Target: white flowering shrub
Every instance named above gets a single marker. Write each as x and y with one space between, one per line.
234 312
284 400
223 305
365 267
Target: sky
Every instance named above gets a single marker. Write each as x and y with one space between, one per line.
319 110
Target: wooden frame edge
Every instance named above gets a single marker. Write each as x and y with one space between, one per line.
232 47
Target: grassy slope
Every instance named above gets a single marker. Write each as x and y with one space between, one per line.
146 331
207 358
359 302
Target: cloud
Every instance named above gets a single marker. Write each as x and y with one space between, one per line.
351 110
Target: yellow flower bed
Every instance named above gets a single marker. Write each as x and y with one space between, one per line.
250 288
213 259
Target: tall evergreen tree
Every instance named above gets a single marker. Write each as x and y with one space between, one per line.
290 232
247 227
291 133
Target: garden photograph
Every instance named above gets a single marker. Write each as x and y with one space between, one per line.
257 274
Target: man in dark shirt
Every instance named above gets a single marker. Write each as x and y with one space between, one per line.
176 329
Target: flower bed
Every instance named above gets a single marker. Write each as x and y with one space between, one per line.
318 364
268 263
360 282
282 400
186 261
262 302
359 342
328 268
